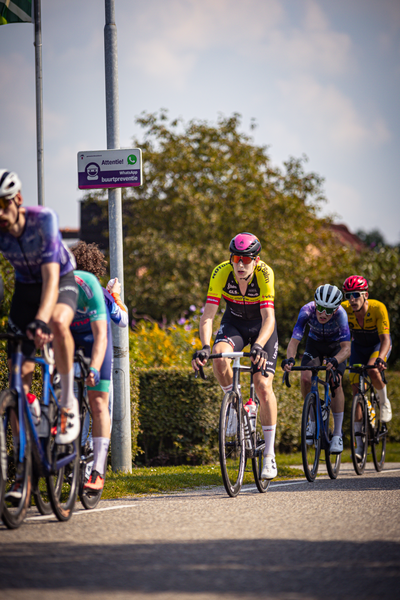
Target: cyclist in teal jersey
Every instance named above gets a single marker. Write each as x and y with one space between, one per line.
91 331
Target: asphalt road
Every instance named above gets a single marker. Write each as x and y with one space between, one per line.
327 540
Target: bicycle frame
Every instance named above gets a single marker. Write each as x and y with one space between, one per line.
365 386
17 360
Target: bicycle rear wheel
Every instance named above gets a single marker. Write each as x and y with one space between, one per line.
257 461
359 438
310 443
15 473
379 434
333 461
232 456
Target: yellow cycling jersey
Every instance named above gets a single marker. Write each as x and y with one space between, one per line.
376 323
259 294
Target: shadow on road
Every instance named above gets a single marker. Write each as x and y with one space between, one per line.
258 568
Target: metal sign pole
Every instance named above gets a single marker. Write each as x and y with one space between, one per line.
39 100
121 445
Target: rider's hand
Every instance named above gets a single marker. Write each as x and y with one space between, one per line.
114 286
39 332
332 363
287 364
380 364
93 378
259 356
200 357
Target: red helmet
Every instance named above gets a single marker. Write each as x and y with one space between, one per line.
245 244
355 283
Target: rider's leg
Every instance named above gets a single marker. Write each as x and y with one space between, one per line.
381 390
98 401
63 345
268 410
222 366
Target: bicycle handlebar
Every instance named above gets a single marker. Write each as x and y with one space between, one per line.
285 378
47 351
226 355
360 368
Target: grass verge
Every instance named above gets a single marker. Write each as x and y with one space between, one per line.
163 480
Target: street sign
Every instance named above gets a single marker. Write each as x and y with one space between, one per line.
110 168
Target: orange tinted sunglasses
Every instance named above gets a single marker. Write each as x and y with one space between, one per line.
246 260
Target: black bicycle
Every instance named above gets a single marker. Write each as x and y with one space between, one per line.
317 424
29 453
366 425
88 498
240 436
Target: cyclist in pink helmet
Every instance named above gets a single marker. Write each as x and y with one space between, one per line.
371 342
246 284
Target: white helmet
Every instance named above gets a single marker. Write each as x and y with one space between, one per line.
10 184
328 296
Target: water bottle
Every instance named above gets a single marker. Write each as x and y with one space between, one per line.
34 407
251 408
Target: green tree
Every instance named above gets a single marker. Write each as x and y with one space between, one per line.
204 183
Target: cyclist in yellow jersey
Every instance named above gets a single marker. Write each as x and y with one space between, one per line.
247 285
371 342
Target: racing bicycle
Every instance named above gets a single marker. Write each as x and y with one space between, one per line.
371 431
317 424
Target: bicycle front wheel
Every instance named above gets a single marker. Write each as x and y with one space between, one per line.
232 456
257 461
310 442
359 433
17 475
379 434
89 499
333 461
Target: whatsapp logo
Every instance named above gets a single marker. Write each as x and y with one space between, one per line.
132 159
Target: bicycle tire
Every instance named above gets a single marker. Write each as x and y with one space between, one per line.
332 466
310 452
378 437
359 401
89 500
257 461
14 513
40 491
232 455
63 498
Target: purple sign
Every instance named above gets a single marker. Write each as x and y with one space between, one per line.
109 169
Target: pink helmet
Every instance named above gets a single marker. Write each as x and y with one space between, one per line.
245 244
355 283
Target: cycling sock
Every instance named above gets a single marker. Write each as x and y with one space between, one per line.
100 451
338 421
226 388
357 427
269 436
67 399
382 395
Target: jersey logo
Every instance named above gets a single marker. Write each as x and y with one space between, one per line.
84 286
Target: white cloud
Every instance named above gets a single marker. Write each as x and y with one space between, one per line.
329 113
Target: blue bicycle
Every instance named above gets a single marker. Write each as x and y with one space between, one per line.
317 425
29 453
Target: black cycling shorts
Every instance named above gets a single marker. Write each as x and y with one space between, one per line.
315 353
25 304
239 333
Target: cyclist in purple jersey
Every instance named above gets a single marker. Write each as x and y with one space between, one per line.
328 338
45 294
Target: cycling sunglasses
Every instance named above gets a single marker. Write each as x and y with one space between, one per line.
4 203
321 309
246 260
355 295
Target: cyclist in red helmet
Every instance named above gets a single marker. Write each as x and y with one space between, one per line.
371 342
247 285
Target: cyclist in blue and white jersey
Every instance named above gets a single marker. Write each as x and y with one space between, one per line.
45 295
328 338
92 332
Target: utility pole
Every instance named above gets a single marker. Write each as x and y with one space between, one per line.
121 445
39 100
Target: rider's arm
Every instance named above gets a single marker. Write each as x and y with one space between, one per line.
385 346
267 325
343 354
291 352
48 299
206 323
99 330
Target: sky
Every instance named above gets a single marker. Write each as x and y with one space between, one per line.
320 78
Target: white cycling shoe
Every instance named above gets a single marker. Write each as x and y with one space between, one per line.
68 424
310 433
386 412
269 468
336 444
